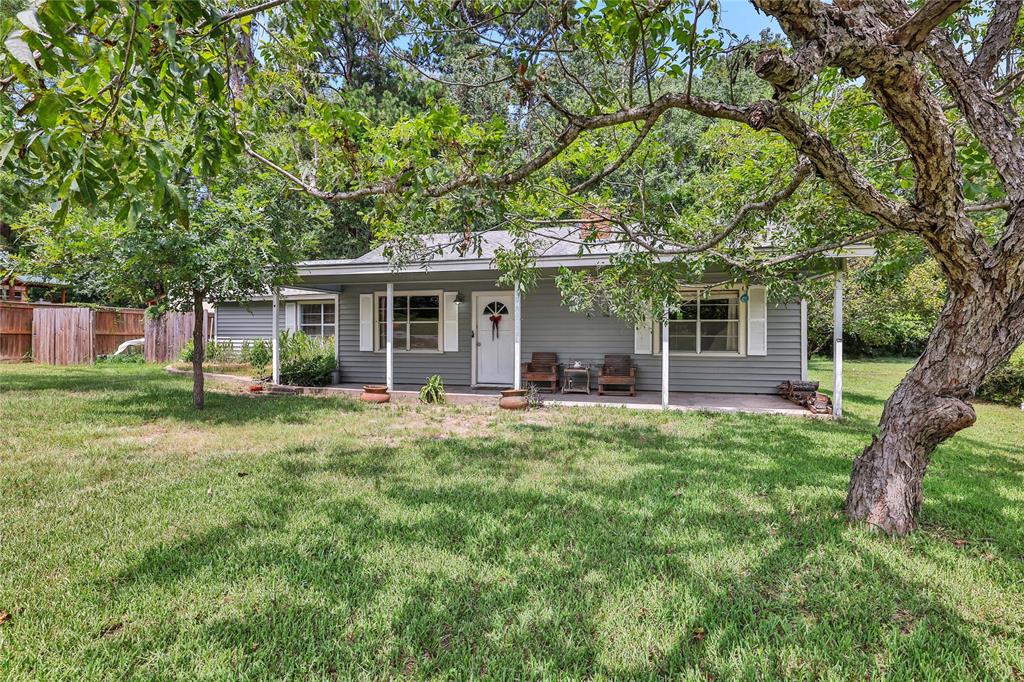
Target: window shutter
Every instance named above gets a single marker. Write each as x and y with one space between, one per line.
366 322
643 338
757 321
291 317
451 322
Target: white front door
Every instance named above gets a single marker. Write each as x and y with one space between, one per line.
494 337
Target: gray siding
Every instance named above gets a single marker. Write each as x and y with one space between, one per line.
547 326
410 368
253 321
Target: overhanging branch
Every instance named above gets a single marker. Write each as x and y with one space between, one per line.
913 33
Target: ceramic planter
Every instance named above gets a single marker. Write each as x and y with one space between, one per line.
375 394
513 399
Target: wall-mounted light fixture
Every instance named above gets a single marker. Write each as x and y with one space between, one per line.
459 298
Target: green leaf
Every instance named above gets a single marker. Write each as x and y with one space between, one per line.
19 49
48 110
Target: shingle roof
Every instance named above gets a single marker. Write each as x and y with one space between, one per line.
451 246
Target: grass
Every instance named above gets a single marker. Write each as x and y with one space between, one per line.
271 538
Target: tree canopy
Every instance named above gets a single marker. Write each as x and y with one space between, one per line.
874 120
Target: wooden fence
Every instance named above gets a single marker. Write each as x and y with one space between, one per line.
64 335
15 331
168 334
69 335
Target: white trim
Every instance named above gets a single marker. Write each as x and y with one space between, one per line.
403 293
337 331
389 320
275 344
326 302
741 341
450 322
366 322
320 268
803 339
665 355
757 321
291 316
837 347
474 333
517 380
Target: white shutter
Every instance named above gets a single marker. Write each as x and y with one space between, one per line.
291 317
366 322
451 322
643 338
757 321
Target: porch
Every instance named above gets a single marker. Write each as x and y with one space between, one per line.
681 401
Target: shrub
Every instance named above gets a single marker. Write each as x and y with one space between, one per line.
188 351
1006 384
127 358
306 360
258 354
433 392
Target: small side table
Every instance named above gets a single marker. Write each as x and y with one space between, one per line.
576 380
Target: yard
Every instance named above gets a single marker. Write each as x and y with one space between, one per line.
309 537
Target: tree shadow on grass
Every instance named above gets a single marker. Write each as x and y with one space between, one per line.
718 552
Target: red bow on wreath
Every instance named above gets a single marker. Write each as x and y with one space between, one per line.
495 319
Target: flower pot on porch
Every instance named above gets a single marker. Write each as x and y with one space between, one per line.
375 394
513 399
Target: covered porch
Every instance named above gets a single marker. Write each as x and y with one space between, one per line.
454 318
680 401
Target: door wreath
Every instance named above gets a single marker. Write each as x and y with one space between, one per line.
495 310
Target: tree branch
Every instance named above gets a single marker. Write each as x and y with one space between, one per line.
997 39
914 32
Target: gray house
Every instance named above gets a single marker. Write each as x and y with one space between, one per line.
450 317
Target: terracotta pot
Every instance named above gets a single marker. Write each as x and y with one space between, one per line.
513 399
375 394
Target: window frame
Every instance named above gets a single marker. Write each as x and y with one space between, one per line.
379 347
300 325
741 341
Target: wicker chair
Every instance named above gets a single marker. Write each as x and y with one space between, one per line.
618 371
542 369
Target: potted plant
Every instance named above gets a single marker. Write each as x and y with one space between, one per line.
433 392
375 393
513 399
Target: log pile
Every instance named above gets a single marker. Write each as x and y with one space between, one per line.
806 394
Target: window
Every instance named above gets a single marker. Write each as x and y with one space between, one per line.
706 324
417 321
316 319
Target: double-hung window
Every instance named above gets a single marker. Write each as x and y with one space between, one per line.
316 319
417 321
706 324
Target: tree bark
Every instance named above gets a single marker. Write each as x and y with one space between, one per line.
977 331
198 350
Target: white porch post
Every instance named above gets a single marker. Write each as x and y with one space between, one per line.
337 336
664 358
517 327
391 337
837 346
275 344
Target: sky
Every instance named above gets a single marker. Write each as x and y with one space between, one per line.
740 17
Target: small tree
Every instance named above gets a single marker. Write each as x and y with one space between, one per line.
237 241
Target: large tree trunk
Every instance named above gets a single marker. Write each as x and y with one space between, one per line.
976 332
198 350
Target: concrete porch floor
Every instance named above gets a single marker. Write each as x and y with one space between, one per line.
744 403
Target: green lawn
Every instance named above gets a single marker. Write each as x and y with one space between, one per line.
311 538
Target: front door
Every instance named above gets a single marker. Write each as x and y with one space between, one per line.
495 338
